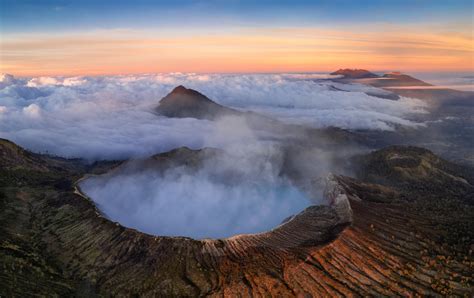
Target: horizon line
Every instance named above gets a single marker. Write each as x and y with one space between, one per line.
231 72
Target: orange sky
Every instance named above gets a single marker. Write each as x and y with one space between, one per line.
242 50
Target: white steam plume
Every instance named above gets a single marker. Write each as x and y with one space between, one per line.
238 192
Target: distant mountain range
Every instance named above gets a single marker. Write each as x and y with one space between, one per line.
408 86
182 102
390 79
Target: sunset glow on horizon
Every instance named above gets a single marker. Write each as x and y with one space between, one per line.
113 45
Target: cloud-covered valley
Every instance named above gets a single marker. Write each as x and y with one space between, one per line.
111 117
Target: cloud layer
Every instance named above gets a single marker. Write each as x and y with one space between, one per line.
111 117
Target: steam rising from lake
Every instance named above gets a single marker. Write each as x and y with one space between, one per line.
208 195
197 205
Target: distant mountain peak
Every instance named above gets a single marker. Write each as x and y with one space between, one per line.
183 102
349 73
183 91
180 89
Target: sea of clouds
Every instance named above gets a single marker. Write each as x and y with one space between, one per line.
111 117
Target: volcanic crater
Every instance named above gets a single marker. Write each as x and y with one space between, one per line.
200 194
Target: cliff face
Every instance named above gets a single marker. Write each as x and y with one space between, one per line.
383 232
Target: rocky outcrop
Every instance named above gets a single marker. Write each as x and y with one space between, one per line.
400 242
